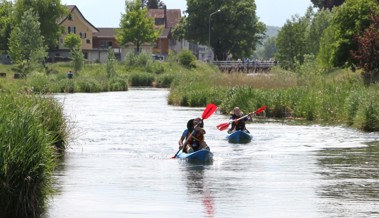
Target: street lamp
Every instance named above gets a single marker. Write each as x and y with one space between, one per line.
209 28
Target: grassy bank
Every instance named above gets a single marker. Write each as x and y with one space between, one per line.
32 135
338 97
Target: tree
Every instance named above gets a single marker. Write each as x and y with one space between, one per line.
111 64
327 4
77 59
135 26
235 30
26 45
72 41
268 50
49 11
348 20
291 42
5 24
367 55
153 4
319 23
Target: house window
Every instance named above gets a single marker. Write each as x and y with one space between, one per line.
83 35
105 44
159 21
88 41
156 45
71 29
69 17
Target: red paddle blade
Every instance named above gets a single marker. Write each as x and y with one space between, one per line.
260 110
222 126
208 111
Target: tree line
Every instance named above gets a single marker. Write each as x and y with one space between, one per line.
340 33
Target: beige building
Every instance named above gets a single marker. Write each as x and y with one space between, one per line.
97 41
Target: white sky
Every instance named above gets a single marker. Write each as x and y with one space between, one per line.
108 13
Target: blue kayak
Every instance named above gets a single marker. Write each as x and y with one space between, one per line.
239 137
200 155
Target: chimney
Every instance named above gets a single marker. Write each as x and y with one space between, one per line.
165 16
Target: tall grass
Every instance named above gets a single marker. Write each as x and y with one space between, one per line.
32 133
338 97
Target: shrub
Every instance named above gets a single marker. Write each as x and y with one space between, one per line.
187 59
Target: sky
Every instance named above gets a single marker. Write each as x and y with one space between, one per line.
108 13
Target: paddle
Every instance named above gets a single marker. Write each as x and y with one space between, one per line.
208 111
224 126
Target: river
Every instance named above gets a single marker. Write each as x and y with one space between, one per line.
119 165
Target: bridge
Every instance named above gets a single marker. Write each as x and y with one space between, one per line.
255 66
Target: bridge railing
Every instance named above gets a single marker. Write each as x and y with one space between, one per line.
246 67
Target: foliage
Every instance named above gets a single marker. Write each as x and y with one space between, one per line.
367 55
77 59
186 59
349 20
268 50
327 4
236 15
26 42
291 42
309 94
153 4
30 127
49 11
135 26
5 24
72 41
111 62
140 60
319 23
141 79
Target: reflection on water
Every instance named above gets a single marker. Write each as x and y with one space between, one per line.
198 187
350 180
120 165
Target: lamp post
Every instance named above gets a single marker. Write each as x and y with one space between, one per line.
209 28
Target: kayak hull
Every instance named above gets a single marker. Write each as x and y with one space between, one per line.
203 155
239 137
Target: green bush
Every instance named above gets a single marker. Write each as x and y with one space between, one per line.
187 59
141 79
118 84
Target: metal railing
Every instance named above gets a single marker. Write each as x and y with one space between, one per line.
256 66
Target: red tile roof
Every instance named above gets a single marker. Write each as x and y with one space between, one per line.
173 15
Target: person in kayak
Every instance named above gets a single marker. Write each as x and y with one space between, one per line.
235 114
193 136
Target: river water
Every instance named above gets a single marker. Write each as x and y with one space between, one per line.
119 165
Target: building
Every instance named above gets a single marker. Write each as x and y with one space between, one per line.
75 23
166 20
97 41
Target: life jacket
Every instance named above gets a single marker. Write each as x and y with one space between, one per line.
238 125
195 139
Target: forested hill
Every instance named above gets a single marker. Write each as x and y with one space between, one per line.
272 31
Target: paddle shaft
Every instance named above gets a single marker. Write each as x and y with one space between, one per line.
209 110
186 139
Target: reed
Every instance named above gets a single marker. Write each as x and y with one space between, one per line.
338 97
32 131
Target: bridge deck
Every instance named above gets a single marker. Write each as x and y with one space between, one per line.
245 67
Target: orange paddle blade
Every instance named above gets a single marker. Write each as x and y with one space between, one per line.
260 110
223 126
208 111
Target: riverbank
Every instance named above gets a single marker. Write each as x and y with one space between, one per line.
335 98
33 135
